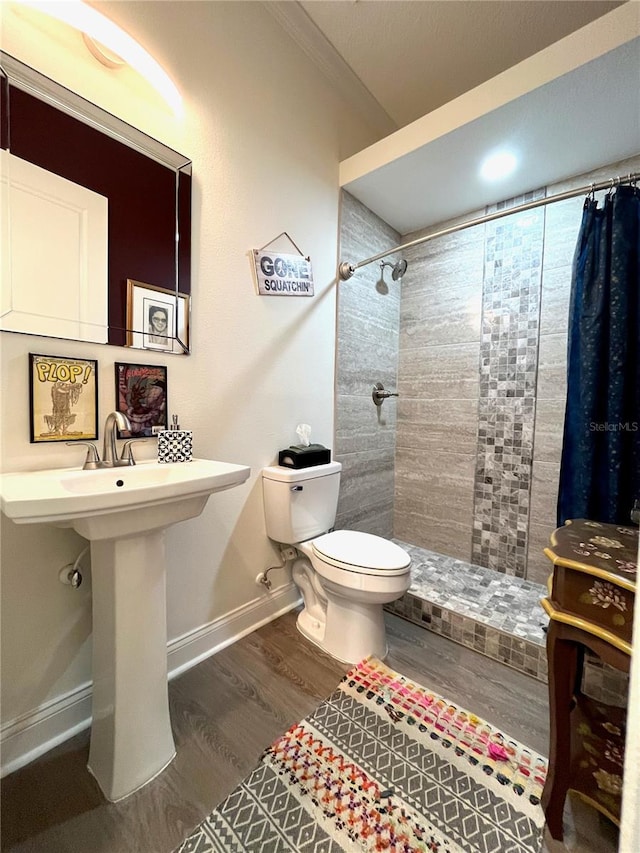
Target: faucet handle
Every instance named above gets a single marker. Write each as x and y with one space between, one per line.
92 459
127 457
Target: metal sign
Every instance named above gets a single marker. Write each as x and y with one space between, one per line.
279 274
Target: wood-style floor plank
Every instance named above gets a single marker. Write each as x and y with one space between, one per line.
225 712
512 700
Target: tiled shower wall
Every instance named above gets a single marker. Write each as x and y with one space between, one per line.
438 382
368 328
479 340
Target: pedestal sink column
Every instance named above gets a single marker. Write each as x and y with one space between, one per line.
123 512
131 739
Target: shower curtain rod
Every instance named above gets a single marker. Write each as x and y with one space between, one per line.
347 269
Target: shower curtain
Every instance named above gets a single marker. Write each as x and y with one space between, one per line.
600 467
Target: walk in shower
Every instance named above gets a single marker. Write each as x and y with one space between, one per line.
463 466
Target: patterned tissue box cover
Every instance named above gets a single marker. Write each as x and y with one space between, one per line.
175 445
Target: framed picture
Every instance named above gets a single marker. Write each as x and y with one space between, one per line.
63 398
141 395
157 318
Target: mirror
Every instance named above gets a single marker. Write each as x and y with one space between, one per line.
95 221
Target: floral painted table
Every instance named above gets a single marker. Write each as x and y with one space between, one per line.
590 605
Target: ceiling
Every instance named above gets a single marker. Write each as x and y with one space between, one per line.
408 66
414 56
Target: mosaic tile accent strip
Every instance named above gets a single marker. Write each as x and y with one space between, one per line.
506 406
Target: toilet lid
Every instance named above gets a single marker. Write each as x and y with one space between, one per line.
361 552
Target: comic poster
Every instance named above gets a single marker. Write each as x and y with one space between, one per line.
141 391
63 398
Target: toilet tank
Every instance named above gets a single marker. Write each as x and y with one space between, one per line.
300 503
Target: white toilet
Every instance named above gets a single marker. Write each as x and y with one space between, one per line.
345 576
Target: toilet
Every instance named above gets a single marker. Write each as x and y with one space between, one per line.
344 576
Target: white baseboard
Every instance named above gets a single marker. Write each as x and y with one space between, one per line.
29 736
195 646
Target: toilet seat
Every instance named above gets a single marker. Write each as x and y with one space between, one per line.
361 553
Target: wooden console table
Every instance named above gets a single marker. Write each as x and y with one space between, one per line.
590 605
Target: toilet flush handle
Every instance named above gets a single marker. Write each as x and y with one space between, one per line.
297 488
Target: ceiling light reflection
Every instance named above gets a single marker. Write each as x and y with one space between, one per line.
498 165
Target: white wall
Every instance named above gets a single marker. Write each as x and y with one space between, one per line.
266 134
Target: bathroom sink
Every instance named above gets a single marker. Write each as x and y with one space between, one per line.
124 511
112 502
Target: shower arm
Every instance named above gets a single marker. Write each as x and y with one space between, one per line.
347 269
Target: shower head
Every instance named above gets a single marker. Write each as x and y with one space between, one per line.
399 269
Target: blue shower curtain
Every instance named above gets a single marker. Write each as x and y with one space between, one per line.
600 468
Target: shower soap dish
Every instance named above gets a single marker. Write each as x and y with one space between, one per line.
175 444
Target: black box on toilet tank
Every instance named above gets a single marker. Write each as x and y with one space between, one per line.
298 456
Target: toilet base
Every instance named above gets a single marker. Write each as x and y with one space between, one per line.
352 631
310 627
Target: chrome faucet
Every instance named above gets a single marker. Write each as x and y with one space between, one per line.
109 449
92 460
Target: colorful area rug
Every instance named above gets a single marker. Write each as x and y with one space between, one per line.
383 765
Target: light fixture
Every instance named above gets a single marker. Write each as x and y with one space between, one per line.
94 25
105 56
498 165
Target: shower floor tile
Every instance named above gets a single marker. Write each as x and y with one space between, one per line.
503 601
495 614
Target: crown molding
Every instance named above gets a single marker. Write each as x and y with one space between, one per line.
307 35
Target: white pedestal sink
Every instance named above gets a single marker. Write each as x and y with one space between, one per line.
124 513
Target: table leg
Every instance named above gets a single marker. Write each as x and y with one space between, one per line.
564 657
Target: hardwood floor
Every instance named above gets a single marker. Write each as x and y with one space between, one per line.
229 708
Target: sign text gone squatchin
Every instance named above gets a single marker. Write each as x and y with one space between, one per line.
280 274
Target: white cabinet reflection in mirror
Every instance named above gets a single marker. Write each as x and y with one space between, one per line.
54 254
